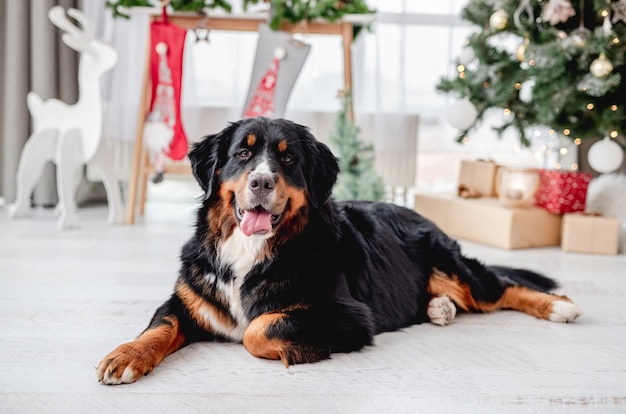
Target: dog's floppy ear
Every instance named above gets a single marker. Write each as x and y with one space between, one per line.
209 156
323 169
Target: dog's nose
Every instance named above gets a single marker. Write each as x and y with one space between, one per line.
261 184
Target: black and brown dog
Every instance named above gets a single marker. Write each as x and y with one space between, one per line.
275 263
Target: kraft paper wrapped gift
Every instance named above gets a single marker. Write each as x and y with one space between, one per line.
478 177
484 220
584 233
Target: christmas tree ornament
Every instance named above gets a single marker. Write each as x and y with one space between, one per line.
619 11
605 156
526 91
607 27
466 56
163 130
579 37
523 7
499 20
521 49
601 66
557 11
462 114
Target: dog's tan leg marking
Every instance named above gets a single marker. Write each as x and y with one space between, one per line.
256 341
539 304
260 343
204 313
441 310
129 361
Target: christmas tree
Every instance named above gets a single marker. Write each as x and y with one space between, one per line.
357 179
545 63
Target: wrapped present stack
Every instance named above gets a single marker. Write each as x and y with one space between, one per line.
519 208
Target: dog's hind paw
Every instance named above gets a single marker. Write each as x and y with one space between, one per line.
441 310
564 311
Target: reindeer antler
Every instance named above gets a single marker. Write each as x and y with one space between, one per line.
74 37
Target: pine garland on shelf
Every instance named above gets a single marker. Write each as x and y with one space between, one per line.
357 179
282 11
553 63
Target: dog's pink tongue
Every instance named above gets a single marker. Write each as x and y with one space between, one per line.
256 222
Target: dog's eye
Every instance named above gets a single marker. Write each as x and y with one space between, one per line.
286 159
244 154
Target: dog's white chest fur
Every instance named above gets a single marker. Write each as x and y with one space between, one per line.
240 253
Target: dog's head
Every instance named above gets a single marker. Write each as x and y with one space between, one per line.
263 175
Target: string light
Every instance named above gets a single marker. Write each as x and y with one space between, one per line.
573 167
577 141
460 68
590 106
507 111
563 151
566 131
518 86
614 108
613 134
557 166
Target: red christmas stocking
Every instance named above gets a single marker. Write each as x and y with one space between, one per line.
262 102
163 131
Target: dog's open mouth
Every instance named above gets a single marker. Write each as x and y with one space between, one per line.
257 221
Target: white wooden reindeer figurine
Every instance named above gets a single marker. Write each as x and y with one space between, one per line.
69 135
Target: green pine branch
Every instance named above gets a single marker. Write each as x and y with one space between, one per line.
565 96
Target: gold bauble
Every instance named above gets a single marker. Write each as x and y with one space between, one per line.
521 49
601 66
499 20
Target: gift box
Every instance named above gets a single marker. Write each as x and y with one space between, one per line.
485 220
584 233
478 178
562 192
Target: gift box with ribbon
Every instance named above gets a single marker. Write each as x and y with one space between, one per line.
562 192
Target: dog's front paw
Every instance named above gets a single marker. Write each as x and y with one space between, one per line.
441 310
125 365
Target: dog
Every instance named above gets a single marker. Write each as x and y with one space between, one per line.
276 264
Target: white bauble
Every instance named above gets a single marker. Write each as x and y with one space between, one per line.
526 91
605 156
466 56
462 114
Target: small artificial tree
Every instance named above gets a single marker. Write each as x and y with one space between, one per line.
357 179
565 69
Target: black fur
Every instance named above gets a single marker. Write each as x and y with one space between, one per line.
362 267
333 275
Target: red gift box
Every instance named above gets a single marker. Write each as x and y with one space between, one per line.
562 191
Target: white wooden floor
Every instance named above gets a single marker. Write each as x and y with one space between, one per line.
67 298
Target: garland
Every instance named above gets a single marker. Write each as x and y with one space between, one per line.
282 11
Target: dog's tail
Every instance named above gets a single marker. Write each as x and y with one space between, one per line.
521 277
